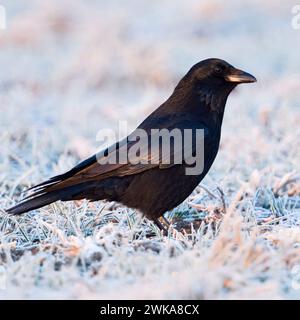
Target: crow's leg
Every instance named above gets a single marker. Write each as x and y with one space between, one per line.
161 226
166 221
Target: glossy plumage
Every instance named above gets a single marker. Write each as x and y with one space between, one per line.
198 102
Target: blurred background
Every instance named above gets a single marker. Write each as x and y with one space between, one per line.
72 67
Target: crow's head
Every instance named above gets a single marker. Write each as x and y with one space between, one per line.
212 80
218 72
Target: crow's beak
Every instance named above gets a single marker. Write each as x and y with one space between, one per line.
239 76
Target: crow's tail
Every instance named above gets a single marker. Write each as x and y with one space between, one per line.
34 203
38 201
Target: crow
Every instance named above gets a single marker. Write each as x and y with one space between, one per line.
152 186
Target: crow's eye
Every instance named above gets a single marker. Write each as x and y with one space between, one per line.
218 70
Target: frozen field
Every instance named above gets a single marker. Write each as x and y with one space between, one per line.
70 68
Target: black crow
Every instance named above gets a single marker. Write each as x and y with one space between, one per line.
152 186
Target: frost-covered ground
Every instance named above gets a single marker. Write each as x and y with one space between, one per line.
70 68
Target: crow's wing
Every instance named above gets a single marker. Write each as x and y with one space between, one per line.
100 166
